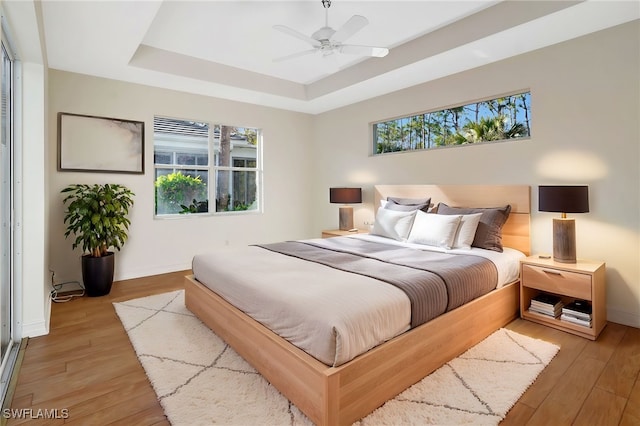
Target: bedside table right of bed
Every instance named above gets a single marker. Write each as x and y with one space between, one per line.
583 281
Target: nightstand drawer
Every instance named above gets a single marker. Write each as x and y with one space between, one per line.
558 281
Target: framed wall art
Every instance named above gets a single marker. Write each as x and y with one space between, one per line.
100 144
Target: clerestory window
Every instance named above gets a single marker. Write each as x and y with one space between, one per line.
499 119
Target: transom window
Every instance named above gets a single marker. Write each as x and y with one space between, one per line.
205 168
507 117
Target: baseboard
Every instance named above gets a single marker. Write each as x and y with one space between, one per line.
35 329
622 317
154 270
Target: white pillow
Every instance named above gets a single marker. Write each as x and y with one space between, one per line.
434 229
393 224
466 231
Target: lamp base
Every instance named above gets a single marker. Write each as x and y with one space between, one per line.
564 240
346 218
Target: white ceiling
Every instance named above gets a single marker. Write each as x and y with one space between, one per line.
226 48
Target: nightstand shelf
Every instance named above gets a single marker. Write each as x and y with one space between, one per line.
328 233
583 280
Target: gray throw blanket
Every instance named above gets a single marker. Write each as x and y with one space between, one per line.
434 282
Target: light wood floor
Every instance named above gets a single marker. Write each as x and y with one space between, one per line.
87 366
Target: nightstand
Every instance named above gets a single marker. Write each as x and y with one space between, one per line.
583 280
328 233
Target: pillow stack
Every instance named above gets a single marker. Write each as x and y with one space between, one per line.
488 234
412 220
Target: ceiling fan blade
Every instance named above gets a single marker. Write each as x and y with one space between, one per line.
295 55
352 49
297 34
352 26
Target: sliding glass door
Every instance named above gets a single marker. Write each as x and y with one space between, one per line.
9 341
5 209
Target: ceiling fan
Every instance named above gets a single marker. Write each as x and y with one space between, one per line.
328 41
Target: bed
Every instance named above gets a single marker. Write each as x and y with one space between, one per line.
346 391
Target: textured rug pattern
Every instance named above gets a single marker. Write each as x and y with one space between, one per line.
199 380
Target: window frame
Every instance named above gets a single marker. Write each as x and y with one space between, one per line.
212 168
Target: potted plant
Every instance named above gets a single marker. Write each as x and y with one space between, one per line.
97 216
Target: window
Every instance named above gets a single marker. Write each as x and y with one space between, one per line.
497 119
196 162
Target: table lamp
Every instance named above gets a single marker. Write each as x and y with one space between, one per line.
564 199
345 196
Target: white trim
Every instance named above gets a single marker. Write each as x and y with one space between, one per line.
154 270
38 328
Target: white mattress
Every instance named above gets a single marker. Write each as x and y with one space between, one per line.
330 314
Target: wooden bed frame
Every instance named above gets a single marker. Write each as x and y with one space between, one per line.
342 395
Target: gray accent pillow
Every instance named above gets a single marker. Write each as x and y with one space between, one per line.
489 232
408 204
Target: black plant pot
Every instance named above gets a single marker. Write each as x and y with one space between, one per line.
97 274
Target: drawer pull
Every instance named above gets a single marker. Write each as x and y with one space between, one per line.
550 271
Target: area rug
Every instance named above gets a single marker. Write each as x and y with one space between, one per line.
199 380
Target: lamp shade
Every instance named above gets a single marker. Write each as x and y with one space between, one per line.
345 195
563 199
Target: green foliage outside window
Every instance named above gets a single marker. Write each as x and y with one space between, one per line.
175 190
502 118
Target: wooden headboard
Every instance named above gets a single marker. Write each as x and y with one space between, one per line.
515 233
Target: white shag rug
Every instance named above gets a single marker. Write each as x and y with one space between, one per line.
199 380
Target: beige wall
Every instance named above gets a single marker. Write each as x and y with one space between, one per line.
157 245
585 129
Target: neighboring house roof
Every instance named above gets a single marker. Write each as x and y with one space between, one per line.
173 126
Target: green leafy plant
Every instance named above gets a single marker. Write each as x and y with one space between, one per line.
195 207
175 190
97 216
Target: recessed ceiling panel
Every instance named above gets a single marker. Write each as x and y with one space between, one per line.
240 34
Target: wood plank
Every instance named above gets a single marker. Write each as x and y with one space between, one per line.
604 348
114 408
631 414
566 399
518 415
601 408
622 371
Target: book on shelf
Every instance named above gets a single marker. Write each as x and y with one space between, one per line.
575 320
546 304
547 299
579 309
547 312
578 315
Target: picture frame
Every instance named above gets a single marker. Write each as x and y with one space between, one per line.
88 143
